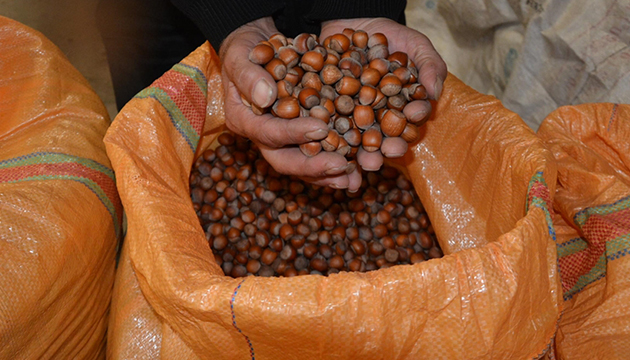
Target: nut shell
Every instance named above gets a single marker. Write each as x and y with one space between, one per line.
261 54
393 123
363 116
312 60
276 68
286 108
372 139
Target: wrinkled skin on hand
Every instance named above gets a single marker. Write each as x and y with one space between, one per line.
272 134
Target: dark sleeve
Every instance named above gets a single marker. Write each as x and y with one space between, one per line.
217 19
324 10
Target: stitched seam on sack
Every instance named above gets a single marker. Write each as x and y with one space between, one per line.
251 347
613 117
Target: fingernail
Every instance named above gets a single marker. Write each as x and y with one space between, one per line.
353 191
336 186
318 134
419 115
367 169
336 171
350 168
262 93
393 156
438 88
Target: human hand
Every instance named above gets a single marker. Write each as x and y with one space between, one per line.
431 74
273 135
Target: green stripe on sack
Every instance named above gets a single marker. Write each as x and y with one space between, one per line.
195 74
55 158
93 186
177 117
571 248
582 217
618 247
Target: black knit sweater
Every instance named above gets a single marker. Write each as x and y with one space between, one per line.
218 18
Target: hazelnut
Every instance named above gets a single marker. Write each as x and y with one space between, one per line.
353 137
378 52
377 39
348 86
285 88
396 102
331 142
363 116
330 74
320 112
390 85
309 97
372 139
403 74
261 54
343 149
312 80
303 43
286 108
312 60
367 95
311 148
381 65
350 67
343 124
414 92
410 134
344 105
289 56
276 68
360 39
340 43
294 75
370 76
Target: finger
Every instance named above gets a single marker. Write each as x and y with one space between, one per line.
417 111
335 182
252 80
369 161
291 161
268 130
394 147
354 180
431 67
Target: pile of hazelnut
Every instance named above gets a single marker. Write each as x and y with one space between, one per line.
350 81
259 222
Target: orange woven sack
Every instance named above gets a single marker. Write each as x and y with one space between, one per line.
591 144
480 173
60 214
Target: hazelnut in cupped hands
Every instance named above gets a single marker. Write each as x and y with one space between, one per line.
351 81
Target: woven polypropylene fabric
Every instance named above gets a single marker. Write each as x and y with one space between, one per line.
590 144
60 214
485 179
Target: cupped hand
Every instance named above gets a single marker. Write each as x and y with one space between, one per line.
275 137
431 74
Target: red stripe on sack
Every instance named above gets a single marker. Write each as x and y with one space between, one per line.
189 98
66 169
581 263
602 228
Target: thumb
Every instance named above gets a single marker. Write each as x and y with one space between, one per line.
251 80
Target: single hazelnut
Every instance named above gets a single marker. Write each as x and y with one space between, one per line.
261 54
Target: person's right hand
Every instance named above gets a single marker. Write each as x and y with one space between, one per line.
275 137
